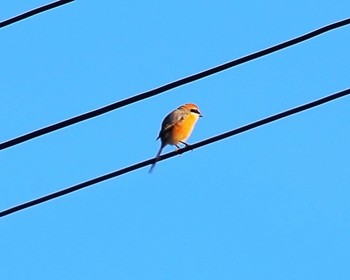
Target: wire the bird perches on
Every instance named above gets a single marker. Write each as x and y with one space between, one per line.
172 154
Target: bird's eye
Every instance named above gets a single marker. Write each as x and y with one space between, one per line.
195 111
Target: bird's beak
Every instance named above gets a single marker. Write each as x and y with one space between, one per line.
200 115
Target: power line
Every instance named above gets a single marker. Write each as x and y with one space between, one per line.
34 12
169 86
174 153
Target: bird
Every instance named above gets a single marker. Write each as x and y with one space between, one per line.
177 127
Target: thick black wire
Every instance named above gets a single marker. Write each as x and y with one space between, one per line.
172 154
34 12
150 93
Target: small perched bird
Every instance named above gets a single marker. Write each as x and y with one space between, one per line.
177 127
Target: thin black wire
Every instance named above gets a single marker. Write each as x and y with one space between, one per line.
172 154
34 12
169 86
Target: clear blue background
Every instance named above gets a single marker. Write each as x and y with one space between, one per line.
272 203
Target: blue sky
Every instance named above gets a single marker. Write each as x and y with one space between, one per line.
271 203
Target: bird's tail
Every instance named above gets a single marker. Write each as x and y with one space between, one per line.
156 158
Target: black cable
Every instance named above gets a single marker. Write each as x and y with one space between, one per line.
172 154
150 93
34 12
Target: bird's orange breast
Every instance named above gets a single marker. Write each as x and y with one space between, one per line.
182 130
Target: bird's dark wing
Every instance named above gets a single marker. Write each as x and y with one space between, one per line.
170 120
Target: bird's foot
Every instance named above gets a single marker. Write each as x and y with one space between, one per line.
186 145
178 150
